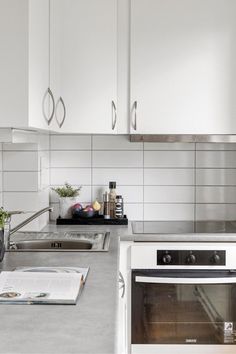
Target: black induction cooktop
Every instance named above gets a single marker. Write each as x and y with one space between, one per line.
183 227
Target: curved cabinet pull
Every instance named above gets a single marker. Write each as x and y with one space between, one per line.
114 115
121 284
49 92
134 113
60 124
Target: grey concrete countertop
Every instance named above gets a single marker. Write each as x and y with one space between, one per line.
90 326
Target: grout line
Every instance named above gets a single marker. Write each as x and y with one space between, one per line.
91 169
143 182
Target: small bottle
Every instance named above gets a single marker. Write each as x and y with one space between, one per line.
119 211
112 199
106 206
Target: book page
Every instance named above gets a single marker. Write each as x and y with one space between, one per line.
40 287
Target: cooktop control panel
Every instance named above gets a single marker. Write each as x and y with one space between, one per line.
191 258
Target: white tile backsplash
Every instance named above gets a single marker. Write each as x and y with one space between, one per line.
168 194
79 176
67 159
216 177
70 142
117 159
114 142
216 194
216 211
173 159
20 161
157 180
131 194
20 181
168 212
171 176
122 176
216 159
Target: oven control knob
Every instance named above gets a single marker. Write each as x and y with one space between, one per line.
215 259
191 259
167 259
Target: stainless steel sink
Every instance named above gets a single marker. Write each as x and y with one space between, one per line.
68 241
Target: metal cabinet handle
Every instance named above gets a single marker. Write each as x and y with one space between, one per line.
134 111
48 92
60 124
114 115
121 284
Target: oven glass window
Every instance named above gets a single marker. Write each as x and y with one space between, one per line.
183 313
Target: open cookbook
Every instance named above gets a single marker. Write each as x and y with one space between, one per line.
42 285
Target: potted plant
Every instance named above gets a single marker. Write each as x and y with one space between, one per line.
4 215
67 198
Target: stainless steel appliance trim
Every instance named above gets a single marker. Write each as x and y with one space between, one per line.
176 280
182 138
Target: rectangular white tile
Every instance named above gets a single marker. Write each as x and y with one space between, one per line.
70 159
220 177
84 196
215 211
215 146
115 142
173 159
28 202
216 194
168 194
122 176
20 161
130 194
70 142
168 176
112 159
216 159
77 176
133 211
20 147
168 212
169 146
20 181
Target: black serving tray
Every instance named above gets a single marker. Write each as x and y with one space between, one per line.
95 220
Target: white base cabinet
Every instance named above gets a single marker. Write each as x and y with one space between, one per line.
24 59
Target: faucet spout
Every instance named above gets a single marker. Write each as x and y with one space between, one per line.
8 231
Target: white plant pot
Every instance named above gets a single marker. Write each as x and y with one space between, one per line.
65 204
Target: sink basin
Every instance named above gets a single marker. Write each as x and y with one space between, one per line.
69 241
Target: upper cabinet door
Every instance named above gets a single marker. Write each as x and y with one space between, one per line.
84 65
24 63
183 71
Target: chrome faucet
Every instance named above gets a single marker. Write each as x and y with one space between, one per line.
7 229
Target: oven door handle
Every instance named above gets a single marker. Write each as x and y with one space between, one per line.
176 280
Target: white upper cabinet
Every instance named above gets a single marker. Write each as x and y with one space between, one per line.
24 63
83 72
183 67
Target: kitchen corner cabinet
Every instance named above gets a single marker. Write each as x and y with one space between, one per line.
183 76
83 70
24 59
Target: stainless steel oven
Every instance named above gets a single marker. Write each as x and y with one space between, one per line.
183 298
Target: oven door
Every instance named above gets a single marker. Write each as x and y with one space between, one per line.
173 310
